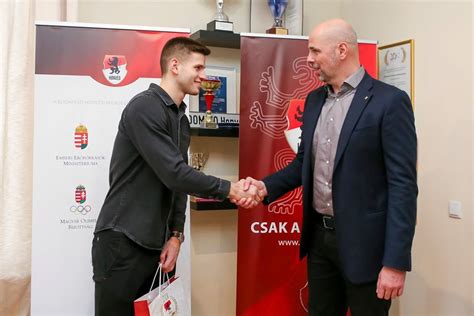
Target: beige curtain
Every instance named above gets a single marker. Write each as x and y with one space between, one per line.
17 42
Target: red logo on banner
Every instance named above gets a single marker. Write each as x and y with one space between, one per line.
115 68
295 120
80 194
81 137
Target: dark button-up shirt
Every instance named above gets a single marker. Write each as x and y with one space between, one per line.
149 174
326 138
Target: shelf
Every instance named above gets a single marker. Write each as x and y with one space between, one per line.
198 204
217 38
215 132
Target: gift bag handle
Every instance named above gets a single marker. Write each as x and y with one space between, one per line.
159 279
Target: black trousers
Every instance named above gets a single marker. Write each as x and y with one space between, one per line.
123 271
330 293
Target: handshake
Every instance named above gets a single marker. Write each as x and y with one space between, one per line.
247 193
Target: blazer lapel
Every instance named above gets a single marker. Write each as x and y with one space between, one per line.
361 99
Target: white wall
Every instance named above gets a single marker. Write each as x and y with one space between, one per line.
442 279
193 14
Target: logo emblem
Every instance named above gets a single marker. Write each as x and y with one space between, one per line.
81 137
170 307
115 68
80 197
395 56
294 117
80 194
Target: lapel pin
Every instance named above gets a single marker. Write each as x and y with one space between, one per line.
366 97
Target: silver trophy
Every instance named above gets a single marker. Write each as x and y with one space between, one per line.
277 7
220 15
221 20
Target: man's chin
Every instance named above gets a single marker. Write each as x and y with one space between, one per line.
193 92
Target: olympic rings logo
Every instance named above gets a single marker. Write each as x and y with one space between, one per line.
80 209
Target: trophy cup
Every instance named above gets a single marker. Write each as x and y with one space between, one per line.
221 20
277 7
210 86
198 160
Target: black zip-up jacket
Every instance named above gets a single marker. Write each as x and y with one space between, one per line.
149 171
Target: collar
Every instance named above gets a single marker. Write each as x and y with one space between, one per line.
350 83
354 79
159 91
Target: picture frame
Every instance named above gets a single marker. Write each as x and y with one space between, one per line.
396 66
225 100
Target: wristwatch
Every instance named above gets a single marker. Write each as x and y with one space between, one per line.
178 235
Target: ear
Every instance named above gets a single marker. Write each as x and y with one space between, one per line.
342 49
173 65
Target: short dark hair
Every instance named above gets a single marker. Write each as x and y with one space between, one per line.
180 47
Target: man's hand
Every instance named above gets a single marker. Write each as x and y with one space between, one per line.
169 254
390 283
247 198
249 185
262 189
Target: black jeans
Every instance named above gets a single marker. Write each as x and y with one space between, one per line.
123 271
330 293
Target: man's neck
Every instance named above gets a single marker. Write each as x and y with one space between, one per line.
342 77
173 91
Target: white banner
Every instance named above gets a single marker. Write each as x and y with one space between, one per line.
76 121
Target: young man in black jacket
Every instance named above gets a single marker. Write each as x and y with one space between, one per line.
142 220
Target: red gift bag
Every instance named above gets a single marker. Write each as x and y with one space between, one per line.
168 299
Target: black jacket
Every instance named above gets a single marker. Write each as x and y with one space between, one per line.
149 174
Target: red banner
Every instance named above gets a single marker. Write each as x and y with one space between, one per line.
113 57
275 79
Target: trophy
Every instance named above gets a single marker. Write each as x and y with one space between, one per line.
221 20
210 86
198 160
277 7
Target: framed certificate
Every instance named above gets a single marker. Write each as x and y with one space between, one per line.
396 66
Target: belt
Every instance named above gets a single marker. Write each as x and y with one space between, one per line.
325 221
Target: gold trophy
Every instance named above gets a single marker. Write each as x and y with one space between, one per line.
210 86
198 160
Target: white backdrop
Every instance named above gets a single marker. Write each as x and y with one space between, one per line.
70 184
